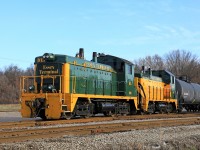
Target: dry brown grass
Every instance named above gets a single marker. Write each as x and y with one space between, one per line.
9 107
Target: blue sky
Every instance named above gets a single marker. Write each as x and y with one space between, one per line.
130 29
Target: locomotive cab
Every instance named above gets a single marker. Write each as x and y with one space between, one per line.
124 74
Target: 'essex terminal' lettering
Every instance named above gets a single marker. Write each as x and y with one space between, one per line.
48 70
47 67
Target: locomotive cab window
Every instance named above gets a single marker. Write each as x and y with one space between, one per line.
130 69
122 67
173 80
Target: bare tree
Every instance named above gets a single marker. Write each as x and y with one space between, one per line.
9 83
4 88
181 62
12 74
29 71
154 62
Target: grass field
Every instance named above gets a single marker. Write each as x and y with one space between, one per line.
9 107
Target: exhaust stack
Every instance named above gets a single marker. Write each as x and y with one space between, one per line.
94 57
81 53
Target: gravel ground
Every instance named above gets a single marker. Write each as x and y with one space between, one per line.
182 137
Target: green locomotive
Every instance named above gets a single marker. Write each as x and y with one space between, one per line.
65 86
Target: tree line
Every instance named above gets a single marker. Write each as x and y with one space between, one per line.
10 83
179 62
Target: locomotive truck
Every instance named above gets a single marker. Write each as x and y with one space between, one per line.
64 87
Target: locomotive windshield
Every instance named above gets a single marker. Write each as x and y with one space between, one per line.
51 81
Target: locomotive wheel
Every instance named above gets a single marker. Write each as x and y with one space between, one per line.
140 112
87 116
44 118
151 108
42 114
169 108
68 117
108 114
124 114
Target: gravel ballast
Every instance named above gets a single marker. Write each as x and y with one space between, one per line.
182 137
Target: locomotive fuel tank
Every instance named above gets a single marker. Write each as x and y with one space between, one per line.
188 92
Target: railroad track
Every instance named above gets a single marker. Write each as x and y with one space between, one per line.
32 123
25 134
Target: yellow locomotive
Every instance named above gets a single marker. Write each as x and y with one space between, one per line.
156 91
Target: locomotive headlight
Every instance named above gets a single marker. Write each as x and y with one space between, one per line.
48 88
31 88
49 56
51 87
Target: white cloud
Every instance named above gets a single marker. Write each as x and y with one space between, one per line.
163 35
